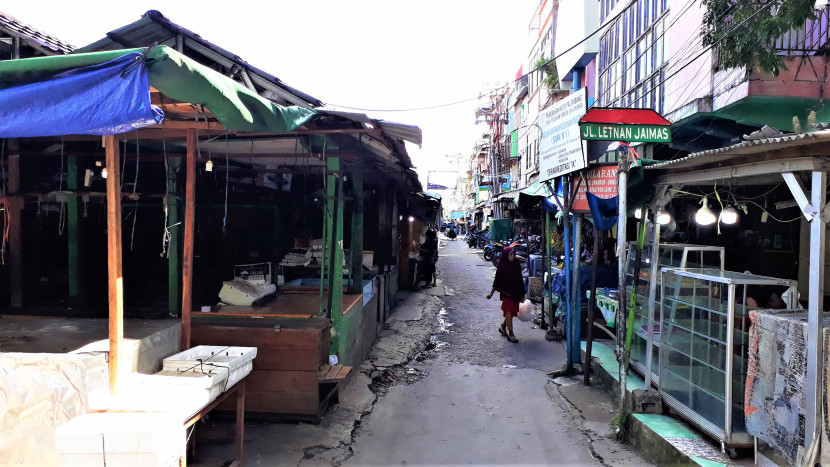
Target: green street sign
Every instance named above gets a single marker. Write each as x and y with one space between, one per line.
628 133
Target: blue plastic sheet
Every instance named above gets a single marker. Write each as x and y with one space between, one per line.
105 99
603 211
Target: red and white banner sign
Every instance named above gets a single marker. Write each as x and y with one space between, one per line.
600 181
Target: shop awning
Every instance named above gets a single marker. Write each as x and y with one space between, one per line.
538 192
109 93
754 161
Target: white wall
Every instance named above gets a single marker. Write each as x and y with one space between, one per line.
684 42
576 19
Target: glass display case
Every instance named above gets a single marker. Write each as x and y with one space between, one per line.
673 255
704 343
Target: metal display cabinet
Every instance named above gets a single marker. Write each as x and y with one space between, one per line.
704 347
673 255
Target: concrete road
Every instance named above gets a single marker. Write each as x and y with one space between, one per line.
482 399
441 386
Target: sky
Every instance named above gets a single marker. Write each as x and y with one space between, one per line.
376 55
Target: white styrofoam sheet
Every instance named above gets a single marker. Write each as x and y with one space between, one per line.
121 432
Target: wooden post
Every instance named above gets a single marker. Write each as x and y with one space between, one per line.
357 232
239 435
174 277
15 233
189 221
334 242
116 279
592 303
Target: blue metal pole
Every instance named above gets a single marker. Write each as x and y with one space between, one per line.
568 275
575 347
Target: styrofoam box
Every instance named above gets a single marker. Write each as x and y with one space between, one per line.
236 361
154 433
218 355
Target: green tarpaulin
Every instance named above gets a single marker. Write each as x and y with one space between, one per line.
501 229
178 77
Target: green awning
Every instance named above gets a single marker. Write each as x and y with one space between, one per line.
178 77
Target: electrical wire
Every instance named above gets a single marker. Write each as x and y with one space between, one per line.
508 84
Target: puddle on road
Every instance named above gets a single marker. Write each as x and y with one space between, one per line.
431 350
443 325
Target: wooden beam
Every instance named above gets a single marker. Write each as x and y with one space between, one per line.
315 131
188 124
116 279
189 220
160 158
15 233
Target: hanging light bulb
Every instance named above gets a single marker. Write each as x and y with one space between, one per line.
638 213
729 215
411 219
104 172
704 215
209 166
663 217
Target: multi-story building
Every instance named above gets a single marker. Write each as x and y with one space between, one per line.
652 56
511 114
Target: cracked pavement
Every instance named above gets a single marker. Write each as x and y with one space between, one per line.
441 386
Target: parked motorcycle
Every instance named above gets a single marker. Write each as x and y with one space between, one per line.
492 249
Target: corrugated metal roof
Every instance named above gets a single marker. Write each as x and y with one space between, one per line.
744 149
408 133
20 29
154 27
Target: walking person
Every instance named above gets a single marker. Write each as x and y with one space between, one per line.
511 289
429 256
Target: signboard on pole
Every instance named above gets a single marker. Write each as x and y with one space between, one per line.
560 147
599 181
628 133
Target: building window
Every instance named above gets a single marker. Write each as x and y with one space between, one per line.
632 54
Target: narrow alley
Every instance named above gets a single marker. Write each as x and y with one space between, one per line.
442 386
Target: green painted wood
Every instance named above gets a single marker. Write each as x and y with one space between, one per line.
356 269
73 230
333 263
174 274
666 426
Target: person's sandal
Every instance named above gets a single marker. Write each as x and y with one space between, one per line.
502 331
512 339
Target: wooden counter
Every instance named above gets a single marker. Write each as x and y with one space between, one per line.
292 304
292 346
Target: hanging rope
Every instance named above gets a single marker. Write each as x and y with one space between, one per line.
165 235
135 196
227 176
123 165
4 203
3 164
61 198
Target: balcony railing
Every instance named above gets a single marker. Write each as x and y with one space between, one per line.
811 39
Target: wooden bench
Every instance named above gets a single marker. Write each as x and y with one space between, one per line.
329 379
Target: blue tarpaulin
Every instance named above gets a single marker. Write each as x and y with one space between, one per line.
603 211
104 99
